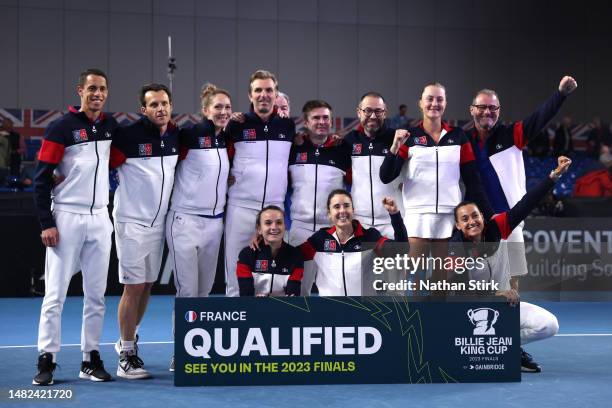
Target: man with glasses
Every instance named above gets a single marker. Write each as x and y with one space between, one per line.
499 157
369 144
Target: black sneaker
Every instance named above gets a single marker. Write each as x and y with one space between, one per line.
94 368
130 366
46 366
171 369
527 363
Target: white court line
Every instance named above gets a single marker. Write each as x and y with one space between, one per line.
79 344
170 342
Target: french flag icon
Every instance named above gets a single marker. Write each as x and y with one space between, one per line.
191 316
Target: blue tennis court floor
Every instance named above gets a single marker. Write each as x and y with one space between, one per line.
577 368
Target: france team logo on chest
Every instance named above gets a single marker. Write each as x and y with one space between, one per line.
145 149
357 147
420 140
204 142
79 135
261 265
301 157
249 134
329 245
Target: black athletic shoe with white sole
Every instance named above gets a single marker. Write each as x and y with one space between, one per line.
45 366
527 363
94 368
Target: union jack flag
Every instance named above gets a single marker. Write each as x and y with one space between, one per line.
301 157
184 119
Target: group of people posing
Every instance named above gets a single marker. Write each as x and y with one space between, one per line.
229 175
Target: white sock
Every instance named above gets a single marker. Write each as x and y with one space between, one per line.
86 356
127 345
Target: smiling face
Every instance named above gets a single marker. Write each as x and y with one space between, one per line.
218 110
282 106
318 121
272 227
469 221
433 102
263 96
340 210
93 93
485 111
372 112
158 108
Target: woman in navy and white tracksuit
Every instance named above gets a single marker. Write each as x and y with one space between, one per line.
338 250
275 268
194 225
477 236
437 156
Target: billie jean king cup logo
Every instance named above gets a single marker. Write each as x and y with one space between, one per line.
483 319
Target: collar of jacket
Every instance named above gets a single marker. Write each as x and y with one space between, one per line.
75 111
152 127
445 126
357 229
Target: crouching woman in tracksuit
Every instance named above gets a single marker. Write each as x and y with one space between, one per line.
338 251
479 237
270 266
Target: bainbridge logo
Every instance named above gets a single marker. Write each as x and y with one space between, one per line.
191 316
483 319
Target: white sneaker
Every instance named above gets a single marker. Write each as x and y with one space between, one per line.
130 366
118 345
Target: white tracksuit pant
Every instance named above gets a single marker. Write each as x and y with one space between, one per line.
84 240
193 244
536 323
239 229
296 237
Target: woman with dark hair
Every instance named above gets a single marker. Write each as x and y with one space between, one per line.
477 236
273 268
338 251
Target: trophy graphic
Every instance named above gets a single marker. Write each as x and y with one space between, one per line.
483 320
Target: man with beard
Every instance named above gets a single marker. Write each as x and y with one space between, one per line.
369 144
498 150
499 157
259 150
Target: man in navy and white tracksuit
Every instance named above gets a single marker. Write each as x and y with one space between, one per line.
72 208
369 145
262 144
499 157
316 168
145 153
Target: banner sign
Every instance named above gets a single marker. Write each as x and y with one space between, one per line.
343 340
568 254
